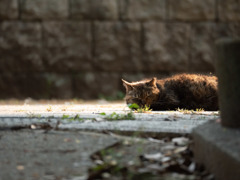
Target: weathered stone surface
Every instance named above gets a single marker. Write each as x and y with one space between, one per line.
159 125
166 46
190 10
67 46
228 30
93 85
104 9
8 9
160 122
44 9
218 148
20 47
94 9
79 9
117 46
143 9
227 69
52 155
202 47
23 86
202 40
59 86
35 86
229 10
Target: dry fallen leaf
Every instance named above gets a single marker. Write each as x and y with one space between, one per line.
192 167
106 175
99 162
66 140
77 141
180 141
20 167
165 159
153 157
33 126
180 149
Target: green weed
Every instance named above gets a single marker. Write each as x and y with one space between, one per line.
133 106
139 109
115 116
75 118
65 116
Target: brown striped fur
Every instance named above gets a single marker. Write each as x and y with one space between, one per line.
187 91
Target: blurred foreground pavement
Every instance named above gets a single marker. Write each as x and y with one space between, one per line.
51 140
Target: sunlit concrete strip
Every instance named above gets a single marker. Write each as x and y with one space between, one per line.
94 117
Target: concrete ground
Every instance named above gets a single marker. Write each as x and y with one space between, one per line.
58 140
101 117
55 155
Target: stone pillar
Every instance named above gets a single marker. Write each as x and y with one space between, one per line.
228 72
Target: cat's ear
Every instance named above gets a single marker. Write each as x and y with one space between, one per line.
127 85
153 82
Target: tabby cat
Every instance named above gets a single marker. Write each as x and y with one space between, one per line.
184 91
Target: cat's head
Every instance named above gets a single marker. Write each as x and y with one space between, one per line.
141 93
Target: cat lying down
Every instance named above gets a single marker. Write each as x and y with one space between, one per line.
184 91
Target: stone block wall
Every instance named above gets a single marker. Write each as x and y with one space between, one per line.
82 48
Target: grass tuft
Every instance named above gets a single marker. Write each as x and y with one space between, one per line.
115 116
139 109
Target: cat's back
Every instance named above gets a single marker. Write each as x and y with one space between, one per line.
194 89
190 81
